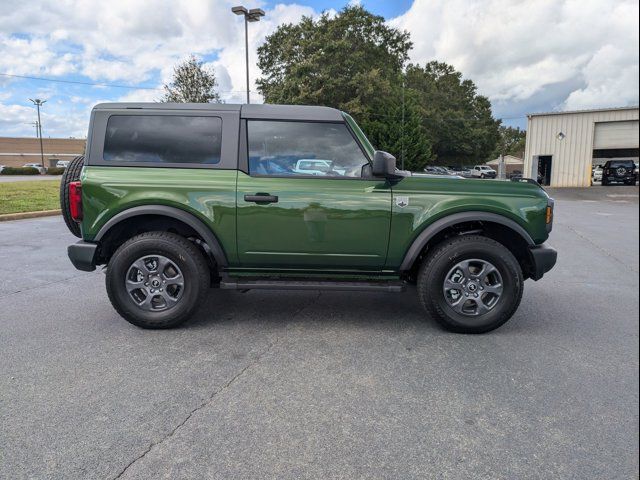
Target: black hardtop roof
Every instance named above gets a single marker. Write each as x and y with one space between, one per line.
257 111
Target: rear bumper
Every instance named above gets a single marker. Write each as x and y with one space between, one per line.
83 255
543 259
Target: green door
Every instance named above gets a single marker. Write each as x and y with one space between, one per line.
304 202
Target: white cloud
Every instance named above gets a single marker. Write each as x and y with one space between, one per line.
125 42
563 54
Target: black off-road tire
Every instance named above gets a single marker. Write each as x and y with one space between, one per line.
188 258
448 254
71 174
604 182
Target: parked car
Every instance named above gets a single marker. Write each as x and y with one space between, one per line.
619 171
596 175
1 168
37 166
483 171
62 163
436 170
218 212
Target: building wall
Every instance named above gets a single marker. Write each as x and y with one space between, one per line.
15 151
572 156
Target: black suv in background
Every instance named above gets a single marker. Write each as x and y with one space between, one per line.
619 171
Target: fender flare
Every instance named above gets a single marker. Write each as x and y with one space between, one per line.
162 210
436 227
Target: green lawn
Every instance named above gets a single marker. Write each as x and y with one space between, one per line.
29 196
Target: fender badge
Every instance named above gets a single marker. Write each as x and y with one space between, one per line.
402 201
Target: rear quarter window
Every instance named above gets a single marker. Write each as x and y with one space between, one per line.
163 139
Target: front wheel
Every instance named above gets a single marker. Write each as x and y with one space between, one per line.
470 284
157 280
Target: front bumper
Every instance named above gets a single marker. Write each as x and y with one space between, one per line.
543 259
83 255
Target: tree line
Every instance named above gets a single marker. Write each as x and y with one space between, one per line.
354 61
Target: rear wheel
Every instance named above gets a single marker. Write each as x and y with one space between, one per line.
157 280
71 174
470 284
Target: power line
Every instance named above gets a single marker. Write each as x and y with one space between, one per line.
94 84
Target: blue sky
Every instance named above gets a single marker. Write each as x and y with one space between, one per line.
526 56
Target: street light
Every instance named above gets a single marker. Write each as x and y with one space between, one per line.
252 15
38 103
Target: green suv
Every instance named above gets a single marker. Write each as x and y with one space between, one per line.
176 198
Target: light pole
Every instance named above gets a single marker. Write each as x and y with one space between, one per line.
38 103
252 15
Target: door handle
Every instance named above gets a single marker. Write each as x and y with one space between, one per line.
261 198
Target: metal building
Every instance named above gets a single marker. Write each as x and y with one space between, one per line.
562 147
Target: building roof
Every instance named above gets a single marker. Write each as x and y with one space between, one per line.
593 110
508 160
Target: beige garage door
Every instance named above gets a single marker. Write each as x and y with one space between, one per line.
616 135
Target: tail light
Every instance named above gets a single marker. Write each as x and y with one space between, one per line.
75 201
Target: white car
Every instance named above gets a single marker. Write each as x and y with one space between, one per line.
597 174
483 171
1 168
62 163
312 166
37 166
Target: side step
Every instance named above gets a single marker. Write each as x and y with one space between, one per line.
289 284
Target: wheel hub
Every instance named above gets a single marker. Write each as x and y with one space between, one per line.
154 283
473 287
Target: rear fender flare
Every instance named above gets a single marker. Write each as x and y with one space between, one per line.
194 222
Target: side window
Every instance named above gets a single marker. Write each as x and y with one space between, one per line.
163 139
303 149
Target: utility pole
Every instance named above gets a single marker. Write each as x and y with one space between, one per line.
402 129
38 103
252 15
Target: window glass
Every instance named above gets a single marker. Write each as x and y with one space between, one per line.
163 139
622 163
303 148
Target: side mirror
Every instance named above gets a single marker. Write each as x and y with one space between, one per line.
384 164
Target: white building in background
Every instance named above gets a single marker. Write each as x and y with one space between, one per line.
561 147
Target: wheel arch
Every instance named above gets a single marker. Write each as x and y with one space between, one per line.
503 229
138 218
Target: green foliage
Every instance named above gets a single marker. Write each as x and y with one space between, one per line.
511 141
55 171
20 171
192 83
354 62
457 120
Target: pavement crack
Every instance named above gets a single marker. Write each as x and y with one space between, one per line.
203 404
213 396
601 249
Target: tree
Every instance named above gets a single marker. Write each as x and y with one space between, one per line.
456 119
511 141
192 82
352 61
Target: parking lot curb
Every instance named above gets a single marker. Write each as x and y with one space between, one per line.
22 215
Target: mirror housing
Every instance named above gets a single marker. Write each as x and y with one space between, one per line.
384 165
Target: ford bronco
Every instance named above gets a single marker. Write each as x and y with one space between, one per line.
176 198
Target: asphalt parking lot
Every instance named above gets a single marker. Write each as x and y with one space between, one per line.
331 385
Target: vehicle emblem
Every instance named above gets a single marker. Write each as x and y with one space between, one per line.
402 201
